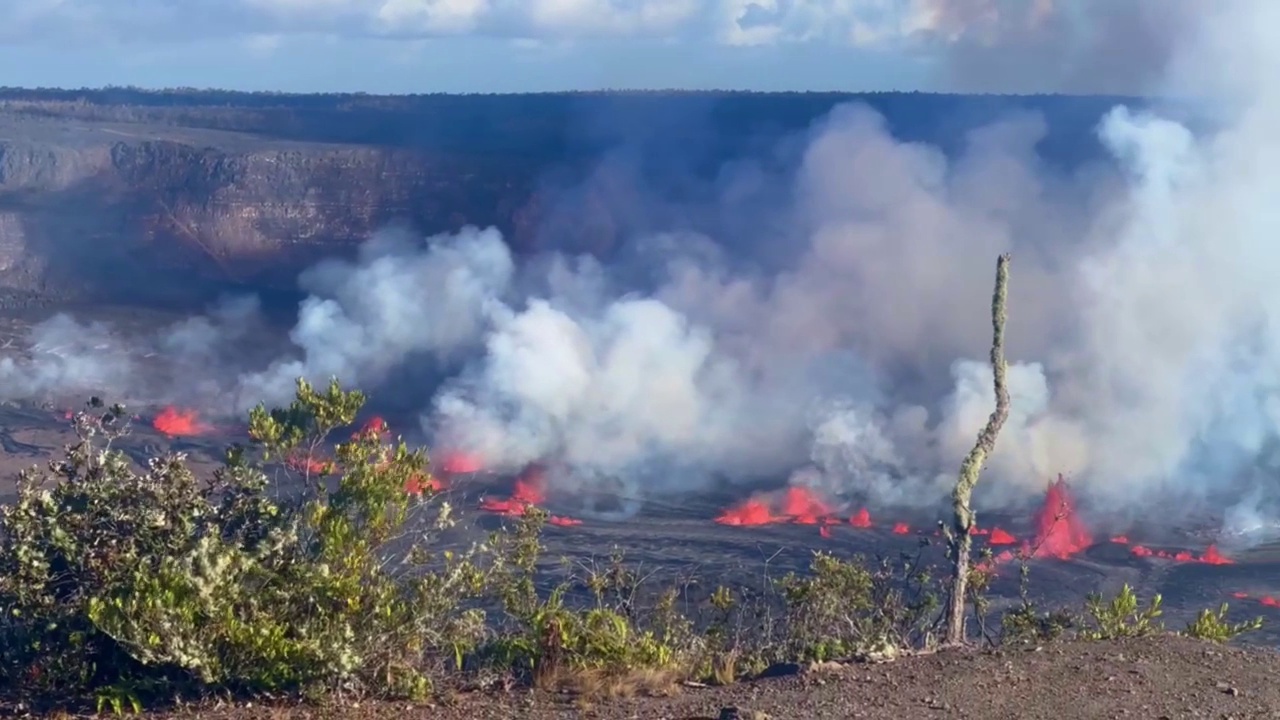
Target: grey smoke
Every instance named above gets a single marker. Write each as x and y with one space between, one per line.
1144 324
1145 329
1119 47
64 356
397 299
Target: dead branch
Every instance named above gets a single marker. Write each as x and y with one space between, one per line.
959 541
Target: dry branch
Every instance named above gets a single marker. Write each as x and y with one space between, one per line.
960 543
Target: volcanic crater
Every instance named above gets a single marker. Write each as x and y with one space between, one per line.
727 535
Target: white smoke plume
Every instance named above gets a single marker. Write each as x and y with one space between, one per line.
65 356
397 301
1145 321
1144 331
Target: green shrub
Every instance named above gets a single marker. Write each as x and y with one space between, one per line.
1122 617
553 644
1214 627
843 609
122 581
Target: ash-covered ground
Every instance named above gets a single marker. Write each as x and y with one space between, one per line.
737 534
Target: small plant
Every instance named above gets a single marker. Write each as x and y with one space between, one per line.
1027 623
602 648
1214 627
843 610
1122 617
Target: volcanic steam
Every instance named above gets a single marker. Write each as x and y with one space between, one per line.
1145 323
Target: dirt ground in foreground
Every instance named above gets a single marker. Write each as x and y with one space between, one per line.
1163 677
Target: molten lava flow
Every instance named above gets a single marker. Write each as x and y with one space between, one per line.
1262 600
376 425
529 490
804 506
1211 555
460 463
825 531
1059 531
1120 539
179 423
749 513
1000 537
798 505
861 519
901 528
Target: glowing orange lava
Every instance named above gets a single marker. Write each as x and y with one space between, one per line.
750 512
901 528
1211 555
529 490
460 463
861 519
1000 537
179 423
376 425
309 465
1059 531
804 506
798 505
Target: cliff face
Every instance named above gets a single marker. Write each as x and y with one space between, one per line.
88 209
156 195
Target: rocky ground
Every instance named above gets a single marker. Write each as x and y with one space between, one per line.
1161 677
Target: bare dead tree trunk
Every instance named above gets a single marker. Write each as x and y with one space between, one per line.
959 542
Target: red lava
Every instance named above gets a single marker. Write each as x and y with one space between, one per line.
180 423
861 519
797 505
1059 531
1211 555
1267 600
460 463
1000 537
310 465
528 492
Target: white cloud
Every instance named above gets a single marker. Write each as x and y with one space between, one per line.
981 43
735 22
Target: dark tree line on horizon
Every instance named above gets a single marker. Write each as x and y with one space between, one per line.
716 124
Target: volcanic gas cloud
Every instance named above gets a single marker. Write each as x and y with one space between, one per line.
819 312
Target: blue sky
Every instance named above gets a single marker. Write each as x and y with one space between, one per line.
536 45
457 64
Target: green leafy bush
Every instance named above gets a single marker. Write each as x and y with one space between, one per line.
1123 616
146 579
1214 626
